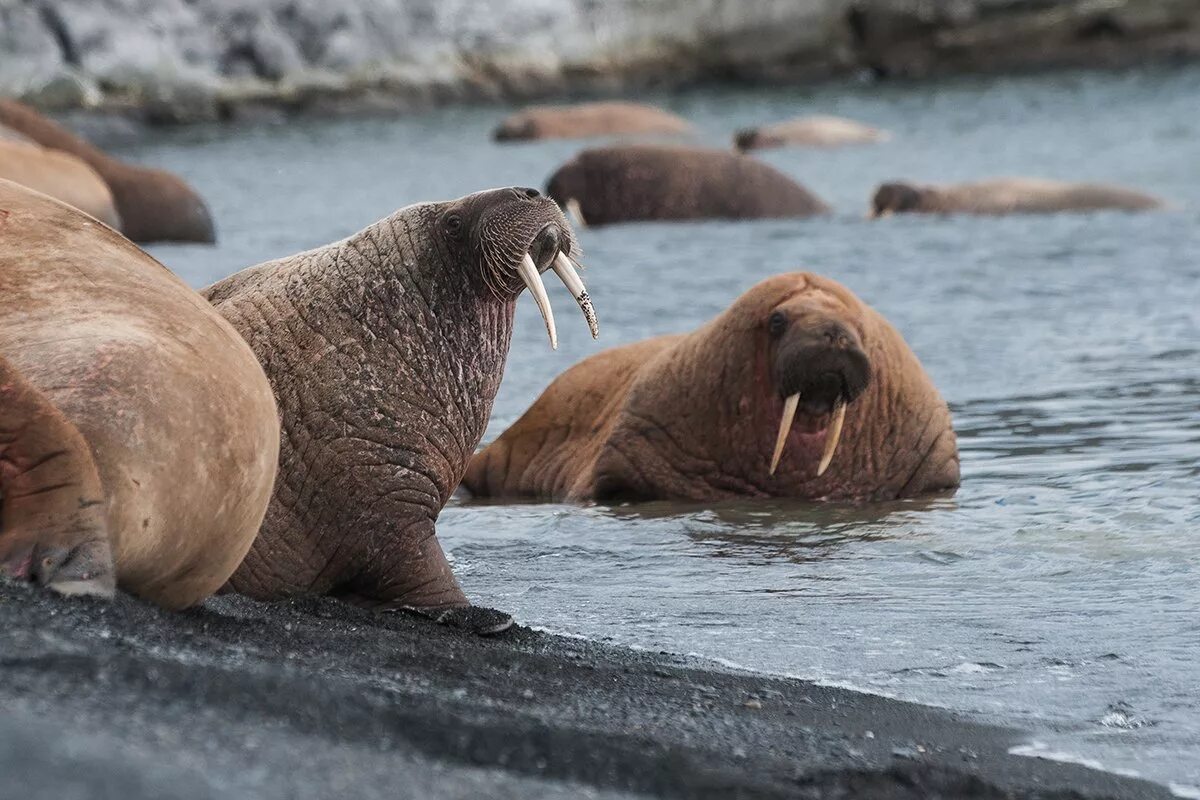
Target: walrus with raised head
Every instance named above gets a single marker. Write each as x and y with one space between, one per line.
583 120
631 183
811 131
797 390
153 204
385 351
1007 196
138 434
60 175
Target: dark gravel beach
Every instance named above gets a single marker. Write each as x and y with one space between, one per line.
317 699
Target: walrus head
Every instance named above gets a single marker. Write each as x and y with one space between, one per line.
895 198
754 139
514 235
818 366
518 127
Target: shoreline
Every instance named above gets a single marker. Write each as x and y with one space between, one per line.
312 698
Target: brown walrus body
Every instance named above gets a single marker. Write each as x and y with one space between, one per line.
610 118
1007 196
703 416
649 182
103 345
153 204
812 131
60 175
385 351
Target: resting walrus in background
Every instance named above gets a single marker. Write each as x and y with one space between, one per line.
386 350
60 175
1007 196
661 182
612 118
813 131
154 205
138 435
797 390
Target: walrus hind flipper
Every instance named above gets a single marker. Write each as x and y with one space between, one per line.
478 620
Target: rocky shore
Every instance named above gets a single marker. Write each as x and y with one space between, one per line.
175 61
317 699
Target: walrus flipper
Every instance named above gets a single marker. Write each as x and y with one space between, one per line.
53 528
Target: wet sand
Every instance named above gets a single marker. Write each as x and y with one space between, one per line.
313 698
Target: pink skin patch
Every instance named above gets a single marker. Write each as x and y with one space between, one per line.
20 569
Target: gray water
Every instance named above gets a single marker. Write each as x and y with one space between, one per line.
1059 590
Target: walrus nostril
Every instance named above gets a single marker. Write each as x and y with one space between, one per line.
525 191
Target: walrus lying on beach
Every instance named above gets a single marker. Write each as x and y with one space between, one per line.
663 182
138 435
1007 196
811 131
60 175
582 120
153 204
797 390
386 350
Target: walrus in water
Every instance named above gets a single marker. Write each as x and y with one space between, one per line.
138 434
154 205
584 120
812 131
797 390
629 183
1007 196
386 350
60 175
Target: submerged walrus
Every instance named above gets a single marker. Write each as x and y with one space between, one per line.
60 175
138 434
811 131
609 118
661 182
153 204
797 390
386 350
1007 196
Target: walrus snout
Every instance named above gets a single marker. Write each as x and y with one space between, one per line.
895 198
546 246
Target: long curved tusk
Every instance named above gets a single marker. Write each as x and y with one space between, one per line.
575 213
529 273
571 279
832 438
785 427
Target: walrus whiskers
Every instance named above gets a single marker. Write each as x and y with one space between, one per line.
831 438
529 273
785 427
570 278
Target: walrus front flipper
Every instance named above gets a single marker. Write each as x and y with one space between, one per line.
53 529
474 619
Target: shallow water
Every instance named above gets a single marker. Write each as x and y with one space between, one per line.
1059 590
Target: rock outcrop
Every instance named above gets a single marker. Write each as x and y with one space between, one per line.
184 60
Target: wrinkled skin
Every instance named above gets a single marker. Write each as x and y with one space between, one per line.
140 433
153 205
695 416
60 175
647 182
588 119
385 350
1007 196
813 131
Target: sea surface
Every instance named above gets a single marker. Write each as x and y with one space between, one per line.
1058 590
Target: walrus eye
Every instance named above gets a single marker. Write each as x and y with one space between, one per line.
777 323
454 225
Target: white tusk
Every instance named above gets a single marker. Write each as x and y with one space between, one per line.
785 427
528 272
831 438
570 278
576 213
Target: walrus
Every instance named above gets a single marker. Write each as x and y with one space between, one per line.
797 390
1007 196
629 183
153 205
811 131
583 120
60 175
385 351
138 432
